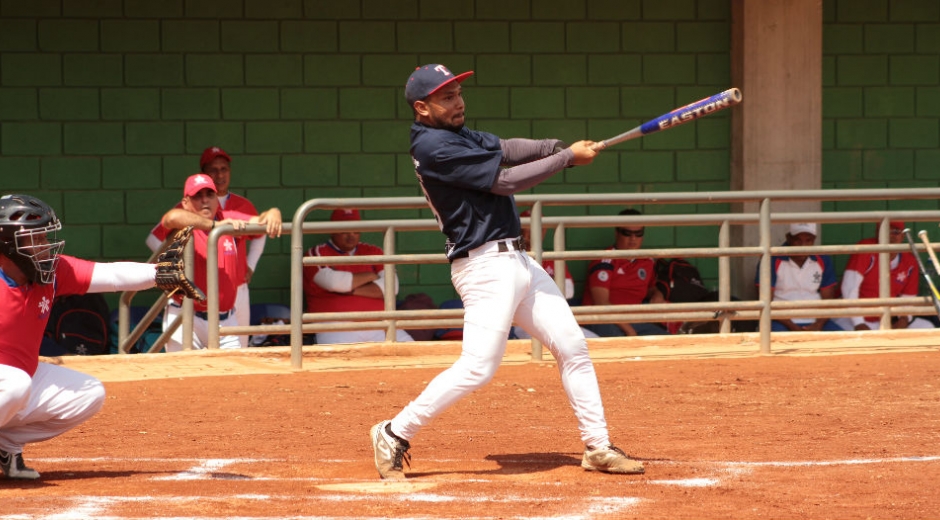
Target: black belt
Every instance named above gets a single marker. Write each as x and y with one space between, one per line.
504 246
516 244
204 315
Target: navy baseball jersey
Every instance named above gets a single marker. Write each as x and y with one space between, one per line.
456 171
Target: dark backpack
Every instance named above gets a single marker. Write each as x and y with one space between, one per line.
79 324
679 281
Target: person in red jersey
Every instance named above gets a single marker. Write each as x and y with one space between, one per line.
217 164
39 401
201 209
860 280
623 281
347 288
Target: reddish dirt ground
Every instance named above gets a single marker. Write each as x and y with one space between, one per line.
781 436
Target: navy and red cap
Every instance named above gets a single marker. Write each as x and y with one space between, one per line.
428 79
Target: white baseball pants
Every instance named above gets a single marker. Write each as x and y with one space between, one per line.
54 401
498 288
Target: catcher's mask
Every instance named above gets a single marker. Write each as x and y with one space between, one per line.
28 236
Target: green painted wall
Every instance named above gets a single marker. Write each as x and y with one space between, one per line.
105 105
881 103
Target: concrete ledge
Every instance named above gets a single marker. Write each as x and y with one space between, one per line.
364 356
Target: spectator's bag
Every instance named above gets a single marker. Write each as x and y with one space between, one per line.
79 323
679 281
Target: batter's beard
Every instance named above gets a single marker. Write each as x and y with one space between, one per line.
446 125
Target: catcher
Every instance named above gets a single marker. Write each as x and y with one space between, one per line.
201 212
39 401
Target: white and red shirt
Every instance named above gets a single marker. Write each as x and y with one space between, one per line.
905 275
24 311
321 300
628 280
792 281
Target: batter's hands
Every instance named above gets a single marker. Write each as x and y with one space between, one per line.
584 153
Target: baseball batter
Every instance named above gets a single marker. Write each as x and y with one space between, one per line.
39 401
469 178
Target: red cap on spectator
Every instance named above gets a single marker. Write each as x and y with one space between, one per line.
526 213
345 214
897 224
209 155
198 182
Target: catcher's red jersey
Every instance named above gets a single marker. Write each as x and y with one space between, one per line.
24 310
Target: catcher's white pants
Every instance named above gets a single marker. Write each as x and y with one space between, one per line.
54 401
200 331
498 288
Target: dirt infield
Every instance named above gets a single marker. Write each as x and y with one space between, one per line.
802 433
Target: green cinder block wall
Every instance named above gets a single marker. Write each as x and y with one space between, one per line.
106 106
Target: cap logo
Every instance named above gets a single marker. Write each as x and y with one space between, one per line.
443 70
200 179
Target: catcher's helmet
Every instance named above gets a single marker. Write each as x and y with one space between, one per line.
25 225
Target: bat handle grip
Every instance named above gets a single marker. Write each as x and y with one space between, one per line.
598 146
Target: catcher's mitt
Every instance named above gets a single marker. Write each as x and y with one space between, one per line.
170 274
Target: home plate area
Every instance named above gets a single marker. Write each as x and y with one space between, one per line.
547 486
831 436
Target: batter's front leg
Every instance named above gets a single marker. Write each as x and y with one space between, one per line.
545 314
482 354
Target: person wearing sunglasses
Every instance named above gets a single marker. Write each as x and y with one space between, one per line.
623 281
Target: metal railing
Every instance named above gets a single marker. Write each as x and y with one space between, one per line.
724 310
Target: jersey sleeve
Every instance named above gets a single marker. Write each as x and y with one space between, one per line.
73 275
599 274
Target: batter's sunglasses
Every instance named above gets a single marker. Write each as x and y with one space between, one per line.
627 233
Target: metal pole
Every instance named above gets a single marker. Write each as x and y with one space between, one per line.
724 275
388 246
765 268
535 236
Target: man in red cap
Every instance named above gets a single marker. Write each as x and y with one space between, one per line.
216 163
347 288
860 280
200 208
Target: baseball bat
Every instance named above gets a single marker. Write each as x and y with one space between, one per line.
930 252
681 115
933 288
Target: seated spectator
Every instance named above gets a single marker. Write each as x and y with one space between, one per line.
623 281
549 266
801 277
860 280
347 288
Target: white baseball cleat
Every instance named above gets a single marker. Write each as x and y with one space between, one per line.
390 452
13 467
610 459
